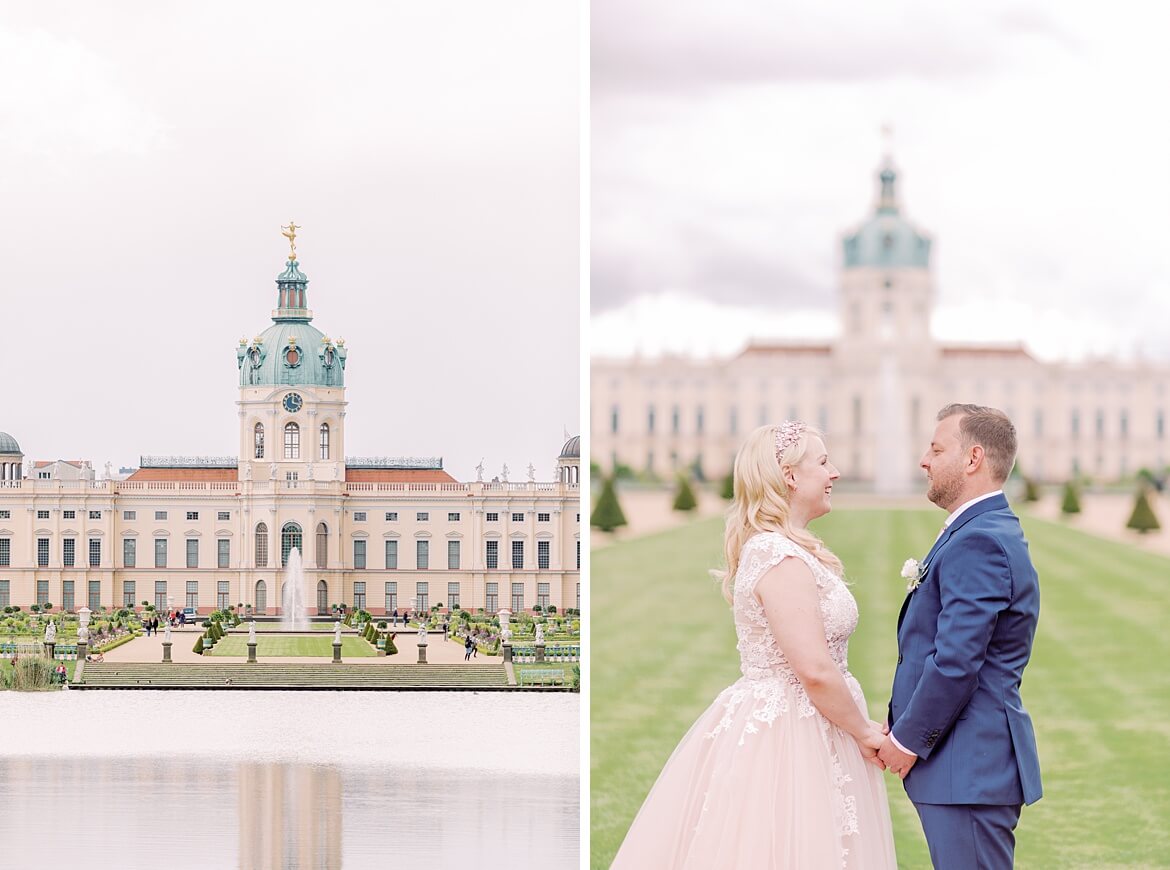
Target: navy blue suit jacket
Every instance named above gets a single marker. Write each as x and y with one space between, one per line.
964 638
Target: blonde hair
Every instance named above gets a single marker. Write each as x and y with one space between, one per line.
760 503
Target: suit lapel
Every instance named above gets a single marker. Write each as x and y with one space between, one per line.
996 502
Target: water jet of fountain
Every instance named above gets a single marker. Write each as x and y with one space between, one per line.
292 605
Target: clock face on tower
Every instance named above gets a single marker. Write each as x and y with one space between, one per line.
292 403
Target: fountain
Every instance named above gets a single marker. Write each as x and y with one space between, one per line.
292 605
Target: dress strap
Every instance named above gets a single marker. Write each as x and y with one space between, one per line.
763 552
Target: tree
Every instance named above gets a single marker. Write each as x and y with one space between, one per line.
1143 519
727 488
684 499
1031 490
607 515
1071 503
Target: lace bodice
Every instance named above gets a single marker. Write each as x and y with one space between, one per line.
760 657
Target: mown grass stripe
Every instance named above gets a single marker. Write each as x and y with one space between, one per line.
1098 688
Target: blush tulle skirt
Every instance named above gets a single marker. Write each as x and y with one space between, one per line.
762 780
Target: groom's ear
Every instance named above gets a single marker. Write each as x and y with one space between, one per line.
975 457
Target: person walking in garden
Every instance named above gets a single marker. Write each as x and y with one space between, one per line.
395 623
467 646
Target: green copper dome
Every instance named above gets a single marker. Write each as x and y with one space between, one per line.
887 240
8 445
291 351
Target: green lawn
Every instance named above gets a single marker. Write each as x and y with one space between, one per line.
1098 690
273 646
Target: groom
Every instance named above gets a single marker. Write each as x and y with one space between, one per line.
959 736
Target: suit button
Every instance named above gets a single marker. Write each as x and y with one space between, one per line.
899 658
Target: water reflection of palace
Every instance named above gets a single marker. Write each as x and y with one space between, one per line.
208 532
290 816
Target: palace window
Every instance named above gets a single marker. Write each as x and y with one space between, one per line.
5 515
322 545
517 597
359 596
650 419
578 555
422 597
290 539
392 554
69 515
422 516
129 516
324 442
422 555
542 595
5 552
391 596
452 517
129 552
68 552
192 599
42 552
492 602
391 516
222 595
453 596
258 438
359 516
42 515
613 419
292 441
543 518
542 554
95 595
160 552
192 552
5 599
493 554
95 515
261 545
674 419
517 518
68 597
492 517
224 515
452 555
359 555
192 515
42 592
517 554
129 590
224 552
95 552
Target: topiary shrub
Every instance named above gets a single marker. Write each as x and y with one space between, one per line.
552 608
198 648
382 624
1143 519
1071 501
391 647
607 515
684 499
1031 490
727 487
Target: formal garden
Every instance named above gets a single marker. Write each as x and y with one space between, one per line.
1097 687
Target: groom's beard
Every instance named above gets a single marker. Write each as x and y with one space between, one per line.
945 489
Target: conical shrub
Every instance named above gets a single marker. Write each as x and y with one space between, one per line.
1143 518
684 499
1071 501
607 515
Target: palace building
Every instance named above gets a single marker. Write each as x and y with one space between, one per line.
875 389
207 532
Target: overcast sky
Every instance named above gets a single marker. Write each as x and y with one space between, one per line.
733 144
430 151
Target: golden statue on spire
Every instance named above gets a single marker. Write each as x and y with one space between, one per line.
291 235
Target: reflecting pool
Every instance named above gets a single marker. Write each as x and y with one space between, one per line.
291 779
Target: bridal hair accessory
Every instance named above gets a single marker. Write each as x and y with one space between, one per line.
787 434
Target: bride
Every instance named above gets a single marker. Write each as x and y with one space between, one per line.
782 770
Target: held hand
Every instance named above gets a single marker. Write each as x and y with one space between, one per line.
895 759
870 743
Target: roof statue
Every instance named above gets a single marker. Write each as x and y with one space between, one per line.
291 235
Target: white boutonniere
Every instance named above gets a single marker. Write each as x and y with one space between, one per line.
913 572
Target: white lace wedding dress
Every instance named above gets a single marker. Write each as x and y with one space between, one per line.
763 780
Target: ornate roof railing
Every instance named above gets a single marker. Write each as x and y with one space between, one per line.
187 462
427 463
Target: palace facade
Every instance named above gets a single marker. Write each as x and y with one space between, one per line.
208 532
876 388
